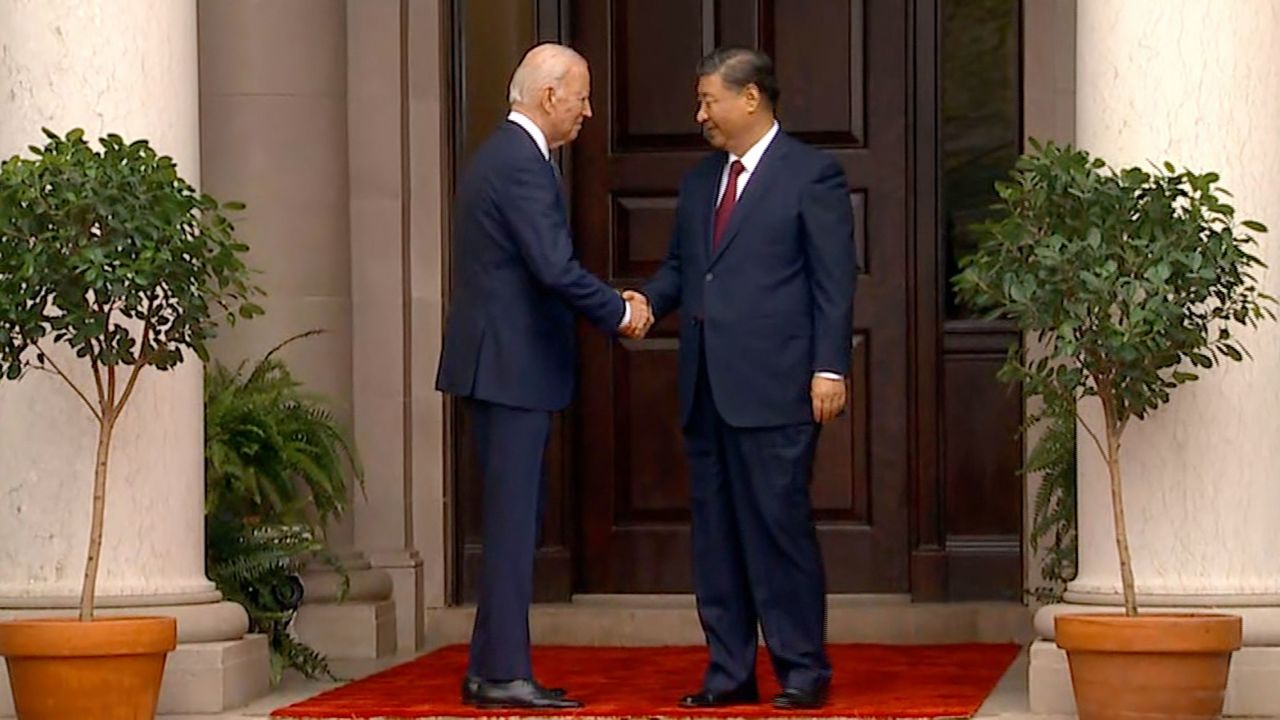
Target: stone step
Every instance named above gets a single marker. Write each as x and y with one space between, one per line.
647 620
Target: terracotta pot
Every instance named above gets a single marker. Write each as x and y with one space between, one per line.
1149 666
107 669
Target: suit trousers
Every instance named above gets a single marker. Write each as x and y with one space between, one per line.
755 549
510 444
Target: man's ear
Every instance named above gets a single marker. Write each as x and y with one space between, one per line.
752 95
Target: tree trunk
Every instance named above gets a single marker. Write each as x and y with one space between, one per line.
1117 508
105 427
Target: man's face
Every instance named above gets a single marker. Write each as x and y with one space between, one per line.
569 106
723 113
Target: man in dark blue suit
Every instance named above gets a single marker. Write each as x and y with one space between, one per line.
509 349
762 267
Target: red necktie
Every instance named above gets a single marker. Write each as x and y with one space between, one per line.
725 209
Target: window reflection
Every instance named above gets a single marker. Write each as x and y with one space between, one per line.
981 119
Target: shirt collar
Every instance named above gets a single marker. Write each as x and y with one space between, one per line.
532 128
751 157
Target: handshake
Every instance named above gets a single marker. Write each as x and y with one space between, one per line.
641 319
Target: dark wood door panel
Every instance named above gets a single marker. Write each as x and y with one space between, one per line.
824 91
655 44
647 436
982 487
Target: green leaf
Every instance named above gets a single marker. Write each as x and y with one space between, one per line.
1201 360
1255 226
271 448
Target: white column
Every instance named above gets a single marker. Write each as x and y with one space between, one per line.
126 68
53 72
1196 83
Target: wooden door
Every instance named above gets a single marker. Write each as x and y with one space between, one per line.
843 69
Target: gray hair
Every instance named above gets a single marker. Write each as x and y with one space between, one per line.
739 67
546 65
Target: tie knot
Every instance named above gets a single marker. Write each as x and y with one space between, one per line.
736 168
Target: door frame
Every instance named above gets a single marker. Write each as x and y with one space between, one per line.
926 533
928 560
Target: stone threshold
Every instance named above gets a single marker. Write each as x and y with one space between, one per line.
645 620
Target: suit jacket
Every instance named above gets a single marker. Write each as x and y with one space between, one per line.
509 337
774 303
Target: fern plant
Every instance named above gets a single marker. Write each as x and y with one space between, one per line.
257 566
273 451
1053 458
276 467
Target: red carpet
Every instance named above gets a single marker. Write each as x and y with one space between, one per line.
871 681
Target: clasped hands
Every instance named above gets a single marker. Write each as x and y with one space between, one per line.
641 315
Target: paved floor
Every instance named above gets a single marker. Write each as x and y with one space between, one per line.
1008 702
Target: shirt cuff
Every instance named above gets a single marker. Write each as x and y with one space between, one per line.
626 314
828 375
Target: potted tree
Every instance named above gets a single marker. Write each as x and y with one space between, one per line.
1131 282
111 262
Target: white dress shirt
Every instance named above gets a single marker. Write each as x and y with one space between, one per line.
750 159
536 133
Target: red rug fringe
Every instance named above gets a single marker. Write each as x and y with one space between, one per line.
871 681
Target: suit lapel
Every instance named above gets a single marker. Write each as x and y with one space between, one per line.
704 201
764 175
552 168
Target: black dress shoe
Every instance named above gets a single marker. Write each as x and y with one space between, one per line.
470 684
708 699
797 699
519 694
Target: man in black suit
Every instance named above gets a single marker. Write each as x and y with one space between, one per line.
762 268
509 349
